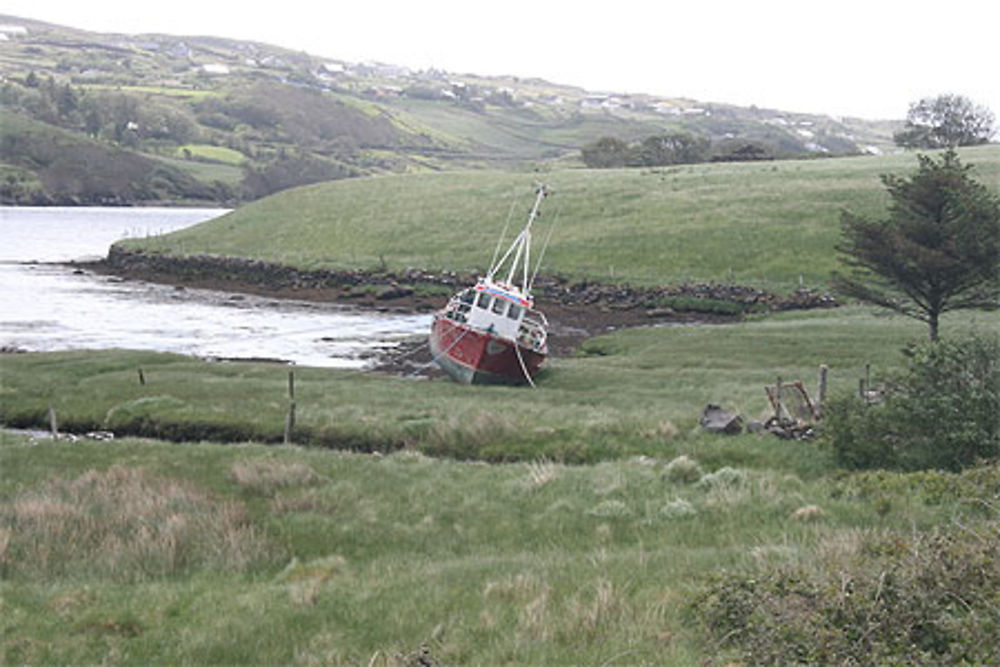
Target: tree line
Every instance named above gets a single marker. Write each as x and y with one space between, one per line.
106 115
672 148
942 121
290 137
946 121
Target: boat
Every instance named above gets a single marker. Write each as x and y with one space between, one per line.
490 332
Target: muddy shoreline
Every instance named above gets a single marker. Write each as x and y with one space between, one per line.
575 310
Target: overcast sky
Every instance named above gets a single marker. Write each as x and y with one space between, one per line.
867 58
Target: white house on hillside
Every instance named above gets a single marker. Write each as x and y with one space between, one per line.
215 68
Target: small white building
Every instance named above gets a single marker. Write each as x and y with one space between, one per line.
215 69
9 30
667 109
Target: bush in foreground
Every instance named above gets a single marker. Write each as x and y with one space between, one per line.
927 598
942 411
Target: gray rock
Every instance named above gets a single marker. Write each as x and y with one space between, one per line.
719 420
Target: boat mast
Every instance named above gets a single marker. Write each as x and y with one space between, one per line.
521 247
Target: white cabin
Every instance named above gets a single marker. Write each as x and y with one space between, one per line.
501 310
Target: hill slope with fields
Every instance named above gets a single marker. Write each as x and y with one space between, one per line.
247 119
768 224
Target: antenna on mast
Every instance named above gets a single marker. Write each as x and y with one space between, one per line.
521 247
496 251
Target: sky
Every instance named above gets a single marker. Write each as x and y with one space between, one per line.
869 59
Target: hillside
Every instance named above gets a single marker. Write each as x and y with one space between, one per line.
43 164
768 224
247 119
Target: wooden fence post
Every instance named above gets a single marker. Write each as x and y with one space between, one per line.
290 417
777 399
53 423
821 392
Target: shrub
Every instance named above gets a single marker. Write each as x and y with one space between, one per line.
927 598
677 508
978 484
682 470
724 477
942 411
610 509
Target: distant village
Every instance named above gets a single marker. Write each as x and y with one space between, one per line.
201 58
373 78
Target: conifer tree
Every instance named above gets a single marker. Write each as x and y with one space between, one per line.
938 249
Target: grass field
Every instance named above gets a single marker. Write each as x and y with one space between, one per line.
635 392
219 154
165 91
418 521
207 172
136 551
349 559
770 224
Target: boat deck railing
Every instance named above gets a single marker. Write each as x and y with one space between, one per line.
532 333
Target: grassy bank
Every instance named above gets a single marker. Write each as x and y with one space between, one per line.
770 224
147 552
633 392
638 391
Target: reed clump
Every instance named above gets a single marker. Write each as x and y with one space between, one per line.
266 476
127 525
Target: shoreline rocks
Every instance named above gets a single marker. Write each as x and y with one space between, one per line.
660 301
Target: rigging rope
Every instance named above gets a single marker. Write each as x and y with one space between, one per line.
510 216
545 246
524 369
447 350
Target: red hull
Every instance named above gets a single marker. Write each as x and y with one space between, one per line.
476 357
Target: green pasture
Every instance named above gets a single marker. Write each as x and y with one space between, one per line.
771 224
211 153
523 134
206 172
139 551
165 91
638 391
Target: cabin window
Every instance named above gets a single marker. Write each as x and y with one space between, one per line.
484 300
467 296
514 312
498 306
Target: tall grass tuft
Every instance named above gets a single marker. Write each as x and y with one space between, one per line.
540 473
266 476
463 434
126 525
683 470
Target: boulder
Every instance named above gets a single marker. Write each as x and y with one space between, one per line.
719 420
393 292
